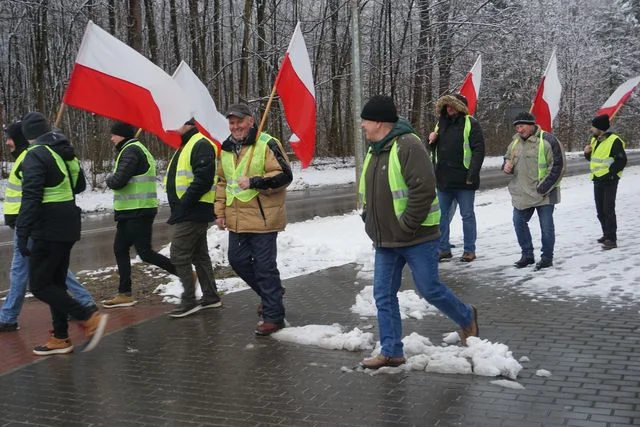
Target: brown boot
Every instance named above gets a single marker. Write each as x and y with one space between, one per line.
472 330
54 346
379 361
94 329
468 257
267 328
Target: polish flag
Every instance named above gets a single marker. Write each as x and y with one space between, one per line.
546 103
209 120
470 88
113 80
295 87
619 97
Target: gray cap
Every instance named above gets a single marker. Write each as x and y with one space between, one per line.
239 110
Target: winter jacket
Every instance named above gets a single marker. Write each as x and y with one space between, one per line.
381 224
448 149
526 189
56 222
203 163
266 212
132 162
617 153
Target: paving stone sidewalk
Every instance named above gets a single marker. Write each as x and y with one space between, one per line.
210 369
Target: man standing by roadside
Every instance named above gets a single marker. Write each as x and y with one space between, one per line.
135 205
458 146
401 214
253 175
607 159
537 162
49 215
190 190
19 273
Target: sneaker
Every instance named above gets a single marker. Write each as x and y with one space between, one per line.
267 328
9 327
468 257
185 309
212 303
601 240
94 329
442 255
544 263
524 261
472 330
609 244
379 361
120 300
54 346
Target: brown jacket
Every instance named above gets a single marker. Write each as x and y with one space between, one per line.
266 212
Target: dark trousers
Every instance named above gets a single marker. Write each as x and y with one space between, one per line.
48 265
604 194
253 257
136 232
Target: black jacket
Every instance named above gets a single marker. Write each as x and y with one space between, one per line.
203 163
618 155
132 162
450 171
57 222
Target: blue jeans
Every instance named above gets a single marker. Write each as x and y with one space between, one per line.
521 224
465 200
387 277
19 279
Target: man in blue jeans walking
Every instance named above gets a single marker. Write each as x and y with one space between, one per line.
19 273
401 215
537 162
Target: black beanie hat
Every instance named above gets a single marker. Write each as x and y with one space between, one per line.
14 131
34 125
524 118
380 108
123 129
601 122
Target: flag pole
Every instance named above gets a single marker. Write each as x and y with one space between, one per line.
138 132
59 115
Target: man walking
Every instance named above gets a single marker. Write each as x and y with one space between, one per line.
401 214
537 162
135 205
607 159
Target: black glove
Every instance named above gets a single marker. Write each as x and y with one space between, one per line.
23 245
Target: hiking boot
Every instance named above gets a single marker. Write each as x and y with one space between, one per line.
468 257
54 346
524 261
609 244
210 303
94 329
9 327
601 240
472 330
379 361
120 300
267 328
185 309
543 263
442 255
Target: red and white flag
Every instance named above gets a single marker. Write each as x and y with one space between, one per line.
619 97
546 103
295 87
209 120
113 80
470 88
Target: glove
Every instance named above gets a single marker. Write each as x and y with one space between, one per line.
23 246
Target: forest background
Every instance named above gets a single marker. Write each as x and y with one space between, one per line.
413 50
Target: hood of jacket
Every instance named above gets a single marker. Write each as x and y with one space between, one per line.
452 101
402 127
58 142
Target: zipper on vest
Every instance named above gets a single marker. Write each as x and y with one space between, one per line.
264 218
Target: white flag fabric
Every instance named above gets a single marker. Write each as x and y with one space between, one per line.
470 88
546 103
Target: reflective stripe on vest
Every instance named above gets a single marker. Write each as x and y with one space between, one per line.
140 191
466 159
601 158
13 193
398 187
232 171
184 172
63 191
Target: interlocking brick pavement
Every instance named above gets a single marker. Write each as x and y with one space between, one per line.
209 369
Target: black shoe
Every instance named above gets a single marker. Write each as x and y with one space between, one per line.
609 244
601 240
211 303
543 263
442 255
9 327
524 261
185 309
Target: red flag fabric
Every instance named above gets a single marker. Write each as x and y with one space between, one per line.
470 88
295 87
546 103
619 97
113 80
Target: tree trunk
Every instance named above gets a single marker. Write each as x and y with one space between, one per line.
173 28
151 27
134 25
244 53
444 47
217 52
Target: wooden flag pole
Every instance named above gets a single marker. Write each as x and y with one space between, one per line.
138 132
262 122
60 113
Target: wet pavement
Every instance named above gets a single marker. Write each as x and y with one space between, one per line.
210 369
